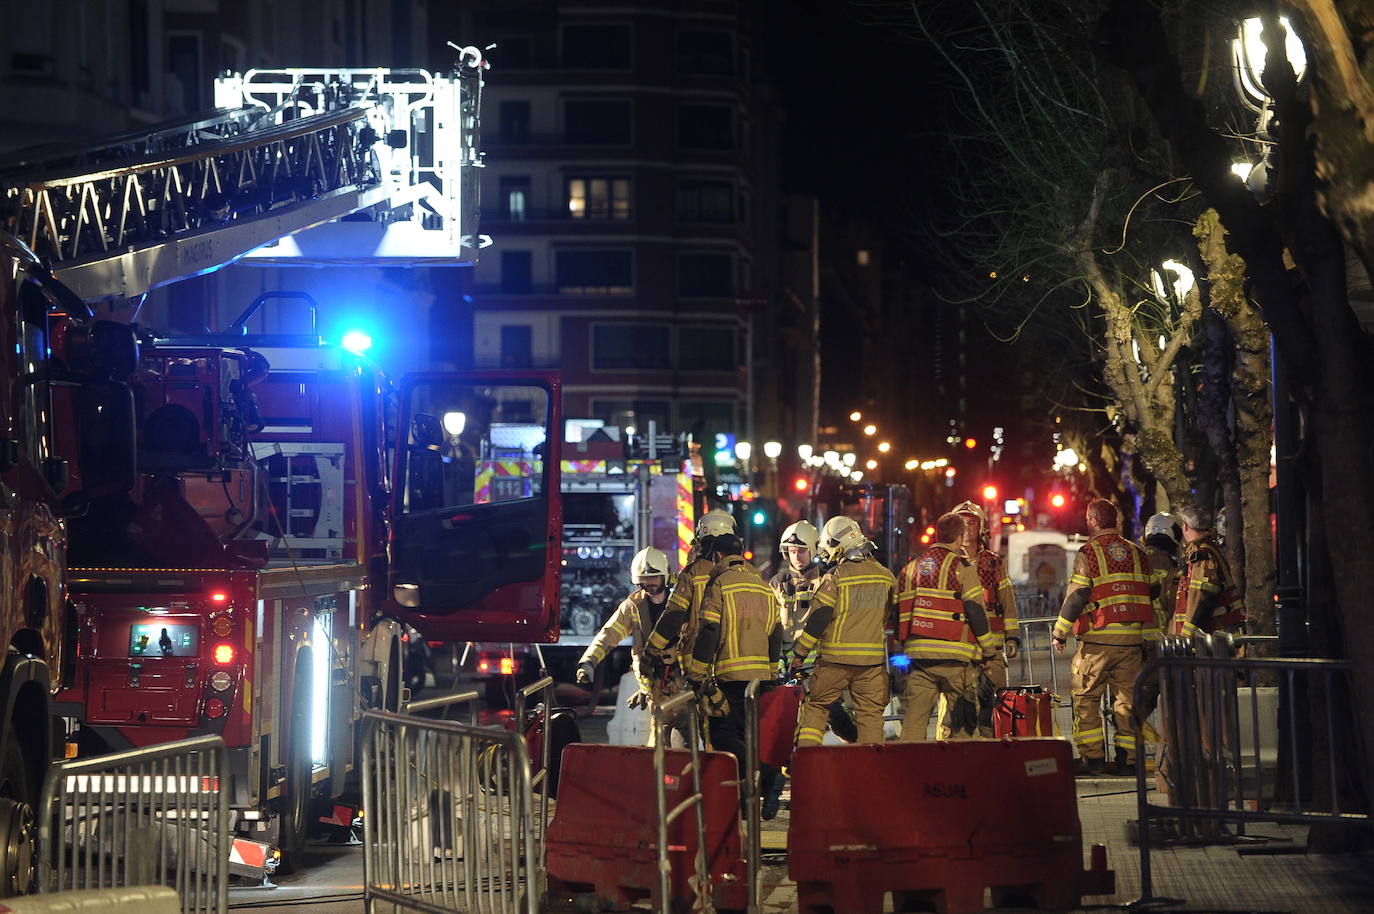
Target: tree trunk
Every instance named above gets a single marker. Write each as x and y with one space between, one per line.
1214 407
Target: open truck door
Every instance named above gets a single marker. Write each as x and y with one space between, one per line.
476 516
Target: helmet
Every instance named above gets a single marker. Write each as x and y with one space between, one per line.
715 523
977 511
803 533
1164 524
649 563
840 536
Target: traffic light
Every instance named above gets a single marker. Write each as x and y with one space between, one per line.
989 492
1058 500
759 518
801 484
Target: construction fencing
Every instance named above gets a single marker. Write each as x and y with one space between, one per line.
452 823
1238 743
153 816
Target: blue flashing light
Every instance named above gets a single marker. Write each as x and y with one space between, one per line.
900 662
760 518
357 342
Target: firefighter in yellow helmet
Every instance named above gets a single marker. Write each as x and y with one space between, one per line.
674 634
634 619
847 628
944 626
1108 607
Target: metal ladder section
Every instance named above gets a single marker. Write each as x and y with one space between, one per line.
285 150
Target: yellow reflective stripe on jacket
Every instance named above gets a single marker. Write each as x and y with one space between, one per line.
736 664
933 649
1081 579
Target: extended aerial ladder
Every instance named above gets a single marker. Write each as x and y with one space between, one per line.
285 151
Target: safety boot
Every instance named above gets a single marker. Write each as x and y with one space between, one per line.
1090 767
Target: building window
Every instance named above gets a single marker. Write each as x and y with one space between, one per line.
580 272
517 272
514 118
705 419
706 126
635 413
706 276
515 197
601 122
629 347
705 201
598 198
517 346
705 51
706 349
596 47
514 53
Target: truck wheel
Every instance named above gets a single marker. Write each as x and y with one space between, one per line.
295 811
18 828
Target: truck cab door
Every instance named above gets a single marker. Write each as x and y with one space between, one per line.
476 516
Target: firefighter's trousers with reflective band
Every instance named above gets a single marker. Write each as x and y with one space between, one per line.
927 681
867 687
1095 668
996 668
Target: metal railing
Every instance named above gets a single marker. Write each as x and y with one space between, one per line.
540 780
1035 639
1214 756
450 817
469 698
753 820
664 713
154 816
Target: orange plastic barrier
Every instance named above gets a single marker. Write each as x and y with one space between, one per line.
604 835
938 824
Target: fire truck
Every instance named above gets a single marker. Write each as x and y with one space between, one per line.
253 516
620 493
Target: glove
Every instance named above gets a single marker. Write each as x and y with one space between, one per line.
584 672
637 700
1012 648
795 668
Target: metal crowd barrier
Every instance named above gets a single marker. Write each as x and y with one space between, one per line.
1216 758
451 823
1035 638
664 713
153 816
469 698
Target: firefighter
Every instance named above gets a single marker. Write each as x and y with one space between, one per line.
1108 607
944 626
739 638
634 619
675 631
1000 600
846 627
796 580
1207 599
1160 542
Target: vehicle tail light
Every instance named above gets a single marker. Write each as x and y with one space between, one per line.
214 708
221 681
507 666
219 596
484 665
224 654
222 625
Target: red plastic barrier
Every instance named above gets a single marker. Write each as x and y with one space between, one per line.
1023 711
604 835
778 723
938 824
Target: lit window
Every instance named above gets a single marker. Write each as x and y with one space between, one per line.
599 198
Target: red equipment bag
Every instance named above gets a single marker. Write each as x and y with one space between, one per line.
778 709
1023 711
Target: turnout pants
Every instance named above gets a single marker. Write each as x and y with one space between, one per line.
728 735
926 682
867 687
1096 667
996 668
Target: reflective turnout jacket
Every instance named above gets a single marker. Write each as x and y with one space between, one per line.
676 629
998 596
794 592
849 614
633 619
1115 573
940 612
740 636
1207 598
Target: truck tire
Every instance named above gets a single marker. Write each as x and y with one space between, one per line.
18 828
295 811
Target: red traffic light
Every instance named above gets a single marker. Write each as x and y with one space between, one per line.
989 493
801 484
1058 500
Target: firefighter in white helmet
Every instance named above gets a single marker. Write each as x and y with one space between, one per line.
796 579
674 635
847 627
634 619
1000 601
